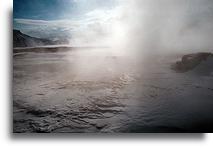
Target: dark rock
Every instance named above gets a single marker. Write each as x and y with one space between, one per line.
39 112
190 61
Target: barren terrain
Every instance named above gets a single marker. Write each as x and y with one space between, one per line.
98 91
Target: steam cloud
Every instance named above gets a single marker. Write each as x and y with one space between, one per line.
150 26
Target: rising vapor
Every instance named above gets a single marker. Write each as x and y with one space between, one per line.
150 26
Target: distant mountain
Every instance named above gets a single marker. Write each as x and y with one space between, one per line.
22 40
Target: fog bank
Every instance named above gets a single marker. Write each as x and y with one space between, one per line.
150 26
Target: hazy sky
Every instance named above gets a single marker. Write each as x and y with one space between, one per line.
171 24
50 18
57 9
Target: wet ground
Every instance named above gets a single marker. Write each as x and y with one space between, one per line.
99 91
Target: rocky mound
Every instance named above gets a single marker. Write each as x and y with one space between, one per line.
191 61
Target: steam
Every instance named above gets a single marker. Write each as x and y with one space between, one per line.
149 26
136 30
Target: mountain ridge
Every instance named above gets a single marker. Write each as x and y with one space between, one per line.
22 40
